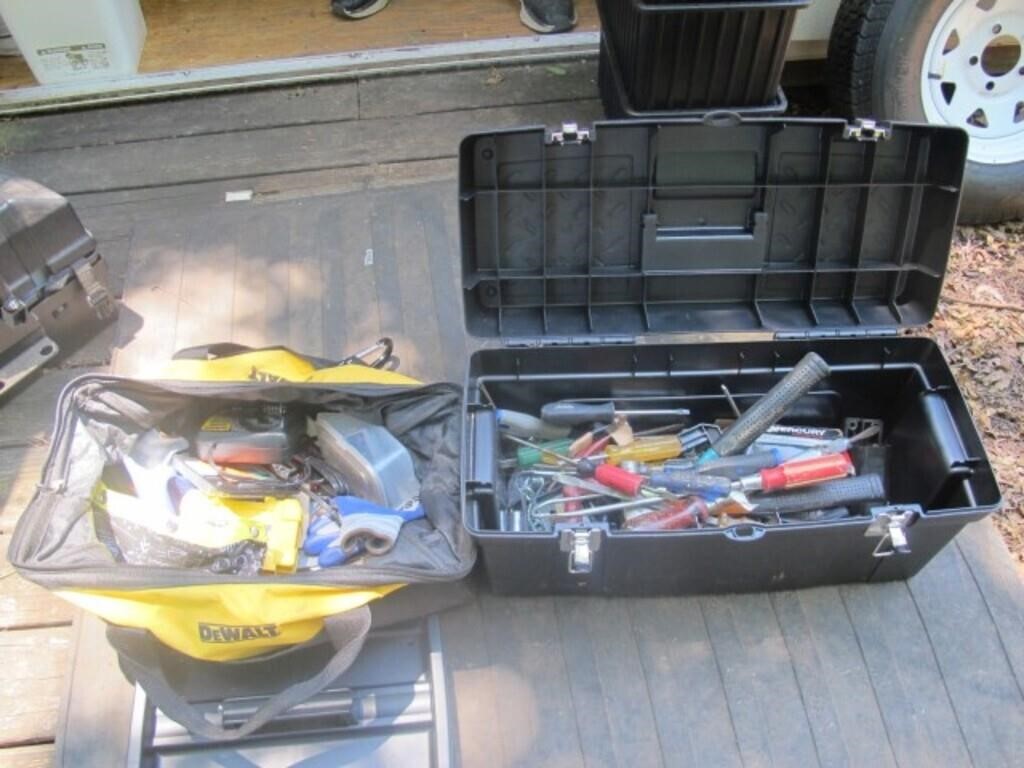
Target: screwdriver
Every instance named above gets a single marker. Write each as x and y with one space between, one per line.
648 450
561 451
525 425
792 474
688 512
569 413
733 467
769 409
535 453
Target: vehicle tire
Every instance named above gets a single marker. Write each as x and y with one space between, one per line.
953 62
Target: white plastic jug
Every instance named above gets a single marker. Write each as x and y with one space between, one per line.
77 40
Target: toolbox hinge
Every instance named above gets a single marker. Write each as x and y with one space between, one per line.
863 129
890 526
566 341
96 293
14 311
838 333
570 133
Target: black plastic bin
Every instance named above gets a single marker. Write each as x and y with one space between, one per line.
652 259
694 56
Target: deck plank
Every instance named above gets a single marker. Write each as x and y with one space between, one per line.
252 310
475 88
834 681
768 712
996 575
471 675
275 150
35 663
685 683
33 756
305 283
972 658
178 118
147 324
415 282
27 417
436 210
614 715
372 97
920 721
23 604
206 297
538 721
93 730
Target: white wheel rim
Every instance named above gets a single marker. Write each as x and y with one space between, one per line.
963 82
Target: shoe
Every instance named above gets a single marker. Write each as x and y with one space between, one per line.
357 9
548 16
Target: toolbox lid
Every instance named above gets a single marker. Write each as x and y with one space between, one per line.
803 226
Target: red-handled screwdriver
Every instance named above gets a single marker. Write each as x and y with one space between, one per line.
794 474
619 479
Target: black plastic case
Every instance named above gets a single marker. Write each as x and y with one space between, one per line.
53 292
694 55
645 258
618 105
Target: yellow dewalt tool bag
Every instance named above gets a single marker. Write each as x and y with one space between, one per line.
216 617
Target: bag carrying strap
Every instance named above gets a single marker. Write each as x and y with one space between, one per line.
139 655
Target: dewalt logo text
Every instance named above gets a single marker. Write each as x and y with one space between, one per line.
226 633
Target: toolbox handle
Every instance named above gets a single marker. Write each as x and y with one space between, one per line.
722 118
745 532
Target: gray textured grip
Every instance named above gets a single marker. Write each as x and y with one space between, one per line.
770 408
837 493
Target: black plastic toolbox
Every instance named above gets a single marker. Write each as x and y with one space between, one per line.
617 102
53 282
693 56
643 259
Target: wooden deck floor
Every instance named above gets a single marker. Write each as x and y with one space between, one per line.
351 233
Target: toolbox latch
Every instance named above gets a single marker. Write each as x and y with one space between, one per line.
570 133
96 293
581 544
890 526
863 129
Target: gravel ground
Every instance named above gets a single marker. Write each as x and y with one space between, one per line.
980 327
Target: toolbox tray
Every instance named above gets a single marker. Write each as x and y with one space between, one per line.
758 241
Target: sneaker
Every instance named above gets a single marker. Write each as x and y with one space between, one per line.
547 16
357 9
